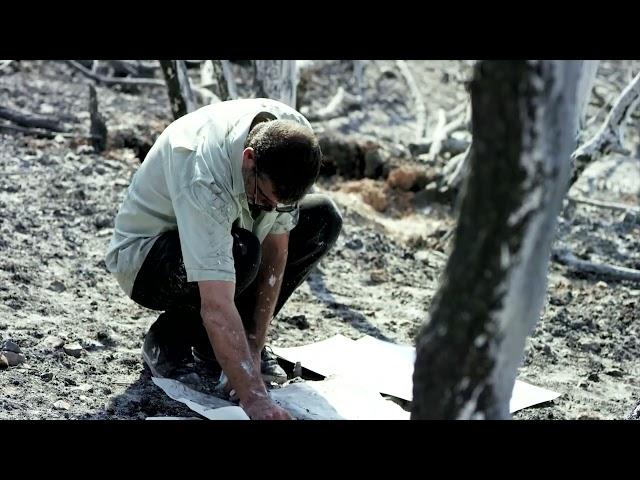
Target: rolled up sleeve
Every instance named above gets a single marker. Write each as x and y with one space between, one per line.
285 222
204 214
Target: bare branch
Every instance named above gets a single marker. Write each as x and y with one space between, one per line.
609 137
568 259
30 120
42 133
607 205
115 81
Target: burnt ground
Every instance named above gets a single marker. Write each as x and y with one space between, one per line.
58 198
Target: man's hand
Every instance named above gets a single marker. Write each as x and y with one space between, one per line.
263 408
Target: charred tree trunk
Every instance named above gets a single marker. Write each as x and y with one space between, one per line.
492 290
278 80
221 80
98 128
180 94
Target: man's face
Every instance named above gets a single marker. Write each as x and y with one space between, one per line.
262 192
259 189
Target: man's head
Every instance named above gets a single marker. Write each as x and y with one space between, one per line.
287 156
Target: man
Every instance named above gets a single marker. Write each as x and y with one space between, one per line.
217 230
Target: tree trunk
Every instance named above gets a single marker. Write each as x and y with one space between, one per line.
278 80
492 290
221 81
98 128
179 88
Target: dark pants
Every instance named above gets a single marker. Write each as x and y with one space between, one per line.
162 284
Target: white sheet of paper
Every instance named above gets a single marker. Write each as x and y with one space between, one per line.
336 398
173 418
208 406
526 395
368 362
385 367
323 357
331 399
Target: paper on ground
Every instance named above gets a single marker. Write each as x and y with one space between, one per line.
331 399
336 399
384 367
368 362
173 418
208 406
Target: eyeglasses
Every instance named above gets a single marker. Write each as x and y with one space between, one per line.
269 208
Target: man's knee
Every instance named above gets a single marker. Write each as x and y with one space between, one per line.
327 216
333 218
246 254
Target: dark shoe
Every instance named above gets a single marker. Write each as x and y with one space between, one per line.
270 369
165 350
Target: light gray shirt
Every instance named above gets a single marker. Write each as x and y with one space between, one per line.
191 180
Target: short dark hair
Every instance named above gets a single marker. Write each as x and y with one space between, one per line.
288 154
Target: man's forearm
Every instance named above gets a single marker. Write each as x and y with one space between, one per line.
228 339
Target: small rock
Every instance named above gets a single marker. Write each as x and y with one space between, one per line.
299 321
10 346
61 405
73 349
378 276
354 244
614 372
602 284
297 370
103 221
109 406
10 359
57 287
47 377
84 149
422 255
592 347
85 387
629 218
51 342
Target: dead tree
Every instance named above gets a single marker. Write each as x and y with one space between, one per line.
179 88
610 136
98 128
277 79
524 118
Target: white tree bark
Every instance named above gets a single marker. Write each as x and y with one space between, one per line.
421 113
278 80
585 87
231 83
181 96
490 296
185 86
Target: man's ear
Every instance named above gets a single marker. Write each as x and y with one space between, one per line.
248 158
